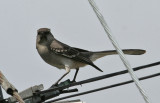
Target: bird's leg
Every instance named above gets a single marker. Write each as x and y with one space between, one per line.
74 79
67 71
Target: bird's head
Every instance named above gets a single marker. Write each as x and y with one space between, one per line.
44 36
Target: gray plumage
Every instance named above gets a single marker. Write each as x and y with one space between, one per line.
63 56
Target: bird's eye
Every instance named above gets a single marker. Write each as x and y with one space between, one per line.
40 33
43 33
47 32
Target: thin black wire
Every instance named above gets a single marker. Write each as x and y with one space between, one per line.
103 88
1 94
99 78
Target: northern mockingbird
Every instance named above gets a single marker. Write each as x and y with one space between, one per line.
65 57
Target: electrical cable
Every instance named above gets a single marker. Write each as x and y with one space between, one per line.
103 88
119 50
99 78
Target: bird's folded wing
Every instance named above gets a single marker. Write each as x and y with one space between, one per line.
72 53
69 52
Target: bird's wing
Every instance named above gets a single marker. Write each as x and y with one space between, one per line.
72 53
63 49
80 50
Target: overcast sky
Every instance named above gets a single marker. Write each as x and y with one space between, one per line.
134 23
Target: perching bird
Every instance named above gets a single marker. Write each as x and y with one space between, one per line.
65 57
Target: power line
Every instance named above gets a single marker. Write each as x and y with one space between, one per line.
119 50
103 88
41 96
99 78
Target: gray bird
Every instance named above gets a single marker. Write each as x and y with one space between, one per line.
66 57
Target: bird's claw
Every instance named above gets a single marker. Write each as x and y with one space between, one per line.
73 81
54 85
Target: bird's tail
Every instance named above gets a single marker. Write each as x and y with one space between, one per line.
100 54
96 67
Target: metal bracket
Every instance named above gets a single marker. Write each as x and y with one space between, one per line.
32 95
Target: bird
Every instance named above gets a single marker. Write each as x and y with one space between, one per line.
63 56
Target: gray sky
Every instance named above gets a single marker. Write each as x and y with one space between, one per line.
134 23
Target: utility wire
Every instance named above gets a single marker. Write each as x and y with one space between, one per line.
103 88
119 50
99 78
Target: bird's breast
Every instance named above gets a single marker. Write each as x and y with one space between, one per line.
42 49
57 60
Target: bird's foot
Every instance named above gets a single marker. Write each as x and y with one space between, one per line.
54 85
73 81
